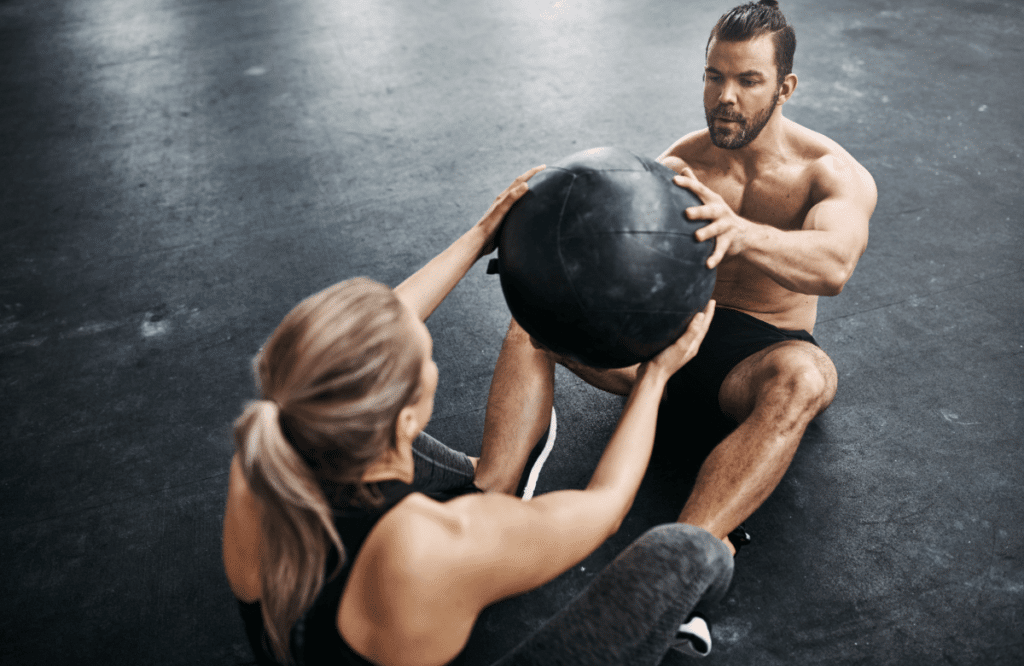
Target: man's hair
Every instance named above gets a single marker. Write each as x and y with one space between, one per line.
753 20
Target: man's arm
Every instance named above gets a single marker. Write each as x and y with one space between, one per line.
817 259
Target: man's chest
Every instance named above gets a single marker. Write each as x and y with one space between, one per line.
780 200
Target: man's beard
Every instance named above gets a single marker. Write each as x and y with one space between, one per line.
744 130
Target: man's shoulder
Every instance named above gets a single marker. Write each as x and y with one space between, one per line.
693 148
826 163
817 150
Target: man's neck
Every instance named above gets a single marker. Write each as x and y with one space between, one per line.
769 148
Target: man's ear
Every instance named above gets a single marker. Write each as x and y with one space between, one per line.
787 89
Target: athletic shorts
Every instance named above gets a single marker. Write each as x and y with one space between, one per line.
732 337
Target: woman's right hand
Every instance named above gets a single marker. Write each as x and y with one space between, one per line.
491 221
682 350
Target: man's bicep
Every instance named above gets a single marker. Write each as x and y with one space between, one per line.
847 201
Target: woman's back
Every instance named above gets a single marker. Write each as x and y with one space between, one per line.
427 569
384 602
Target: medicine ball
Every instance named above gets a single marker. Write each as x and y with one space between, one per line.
598 261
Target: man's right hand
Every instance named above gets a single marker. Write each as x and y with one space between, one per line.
729 230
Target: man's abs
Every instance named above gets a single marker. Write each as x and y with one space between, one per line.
742 287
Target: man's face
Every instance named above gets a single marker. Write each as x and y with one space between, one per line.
740 90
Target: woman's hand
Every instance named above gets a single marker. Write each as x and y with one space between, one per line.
490 223
424 290
682 350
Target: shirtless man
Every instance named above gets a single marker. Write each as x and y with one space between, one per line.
789 211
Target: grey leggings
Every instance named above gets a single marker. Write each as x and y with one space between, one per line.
438 468
630 612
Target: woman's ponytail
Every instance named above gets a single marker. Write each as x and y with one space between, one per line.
334 377
297 522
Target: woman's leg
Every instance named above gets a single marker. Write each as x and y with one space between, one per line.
630 612
439 469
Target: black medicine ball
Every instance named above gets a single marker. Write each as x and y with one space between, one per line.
598 261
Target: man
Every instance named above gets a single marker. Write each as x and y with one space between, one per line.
789 211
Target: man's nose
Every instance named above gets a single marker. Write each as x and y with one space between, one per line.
728 93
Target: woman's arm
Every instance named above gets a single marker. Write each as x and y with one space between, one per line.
428 570
511 546
424 290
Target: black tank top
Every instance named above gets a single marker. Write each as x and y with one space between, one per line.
315 639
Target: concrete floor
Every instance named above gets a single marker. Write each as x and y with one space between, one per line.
176 174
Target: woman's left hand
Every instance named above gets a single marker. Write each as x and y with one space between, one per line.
490 223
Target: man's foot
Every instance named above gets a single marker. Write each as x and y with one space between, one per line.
535 462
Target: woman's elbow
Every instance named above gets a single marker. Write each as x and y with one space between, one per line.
613 526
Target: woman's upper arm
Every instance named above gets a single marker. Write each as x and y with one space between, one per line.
509 546
241 546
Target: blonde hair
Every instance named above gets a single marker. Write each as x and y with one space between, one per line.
333 378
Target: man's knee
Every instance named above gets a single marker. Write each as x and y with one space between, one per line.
617 380
517 337
517 334
805 375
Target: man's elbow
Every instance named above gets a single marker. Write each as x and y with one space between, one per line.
832 284
831 289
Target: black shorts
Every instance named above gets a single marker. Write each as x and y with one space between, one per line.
732 337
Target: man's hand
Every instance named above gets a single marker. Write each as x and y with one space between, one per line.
727 228
491 221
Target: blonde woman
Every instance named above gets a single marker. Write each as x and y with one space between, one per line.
337 555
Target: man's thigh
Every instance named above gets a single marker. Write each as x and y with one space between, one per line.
783 361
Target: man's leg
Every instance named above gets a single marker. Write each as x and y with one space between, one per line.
519 405
774 395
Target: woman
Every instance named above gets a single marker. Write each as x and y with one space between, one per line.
334 555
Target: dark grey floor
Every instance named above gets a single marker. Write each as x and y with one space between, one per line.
176 174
